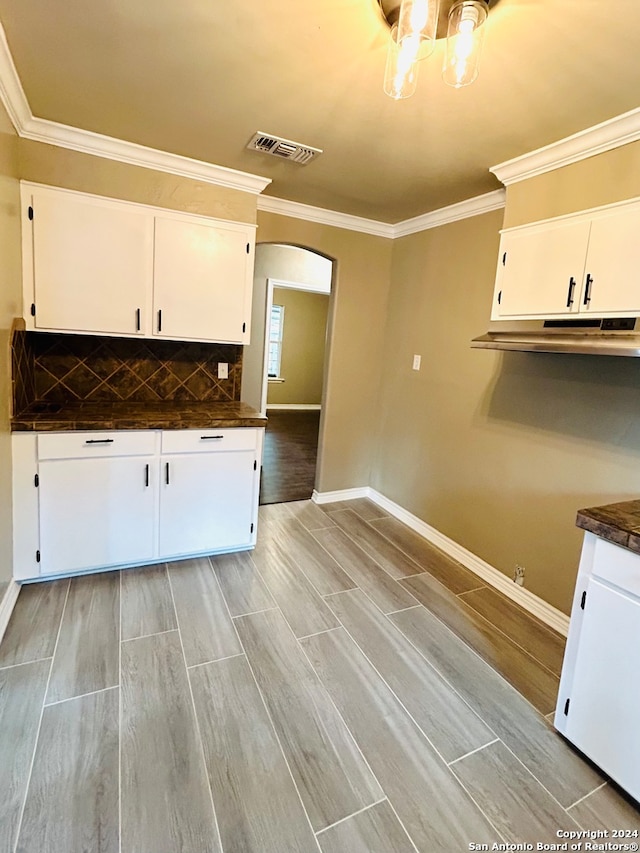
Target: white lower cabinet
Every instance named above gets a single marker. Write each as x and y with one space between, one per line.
85 501
95 512
203 502
599 691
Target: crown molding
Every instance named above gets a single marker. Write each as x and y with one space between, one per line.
86 142
452 213
605 136
270 204
11 91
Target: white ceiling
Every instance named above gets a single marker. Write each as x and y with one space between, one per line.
199 77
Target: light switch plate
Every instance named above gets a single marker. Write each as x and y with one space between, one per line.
223 370
416 362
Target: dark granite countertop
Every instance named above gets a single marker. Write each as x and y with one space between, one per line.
618 523
52 417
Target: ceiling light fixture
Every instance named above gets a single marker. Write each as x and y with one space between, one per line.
415 26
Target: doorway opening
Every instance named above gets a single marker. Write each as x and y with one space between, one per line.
284 366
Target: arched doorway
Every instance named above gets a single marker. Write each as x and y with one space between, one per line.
284 366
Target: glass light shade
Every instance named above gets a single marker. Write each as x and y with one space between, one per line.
418 19
401 72
465 36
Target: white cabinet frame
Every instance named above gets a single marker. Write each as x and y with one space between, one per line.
139 448
181 294
582 265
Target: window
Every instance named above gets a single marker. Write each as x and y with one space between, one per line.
276 326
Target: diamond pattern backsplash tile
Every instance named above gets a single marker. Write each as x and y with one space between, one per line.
64 368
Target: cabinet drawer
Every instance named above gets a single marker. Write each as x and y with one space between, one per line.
617 566
80 445
207 440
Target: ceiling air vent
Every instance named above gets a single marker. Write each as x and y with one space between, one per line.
283 148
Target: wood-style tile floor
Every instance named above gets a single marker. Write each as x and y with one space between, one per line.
345 688
290 455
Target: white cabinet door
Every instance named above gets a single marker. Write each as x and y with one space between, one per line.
203 279
92 263
613 264
543 270
206 502
96 512
602 717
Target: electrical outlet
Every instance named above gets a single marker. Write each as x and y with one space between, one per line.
223 370
416 362
518 575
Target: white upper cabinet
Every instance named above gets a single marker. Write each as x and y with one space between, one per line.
91 263
541 269
578 265
98 266
612 274
203 278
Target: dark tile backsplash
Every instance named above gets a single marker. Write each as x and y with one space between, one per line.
58 368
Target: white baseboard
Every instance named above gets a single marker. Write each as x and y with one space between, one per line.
535 605
342 495
7 604
297 407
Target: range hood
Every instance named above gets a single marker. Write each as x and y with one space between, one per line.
610 336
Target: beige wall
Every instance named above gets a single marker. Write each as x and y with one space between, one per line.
48 164
499 451
303 347
356 325
604 179
10 307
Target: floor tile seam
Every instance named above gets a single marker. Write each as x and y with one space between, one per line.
317 633
253 612
367 553
402 609
436 751
402 704
278 606
146 636
39 728
194 712
216 660
338 712
542 626
299 568
504 634
442 676
357 584
475 589
492 626
474 751
401 822
477 655
81 695
353 814
280 745
406 553
540 782
25 663
581 799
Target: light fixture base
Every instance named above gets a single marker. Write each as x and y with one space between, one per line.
390 10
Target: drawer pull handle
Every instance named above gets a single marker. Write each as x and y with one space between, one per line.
137 319
160 320
166 473
99 441
146 476
211 437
